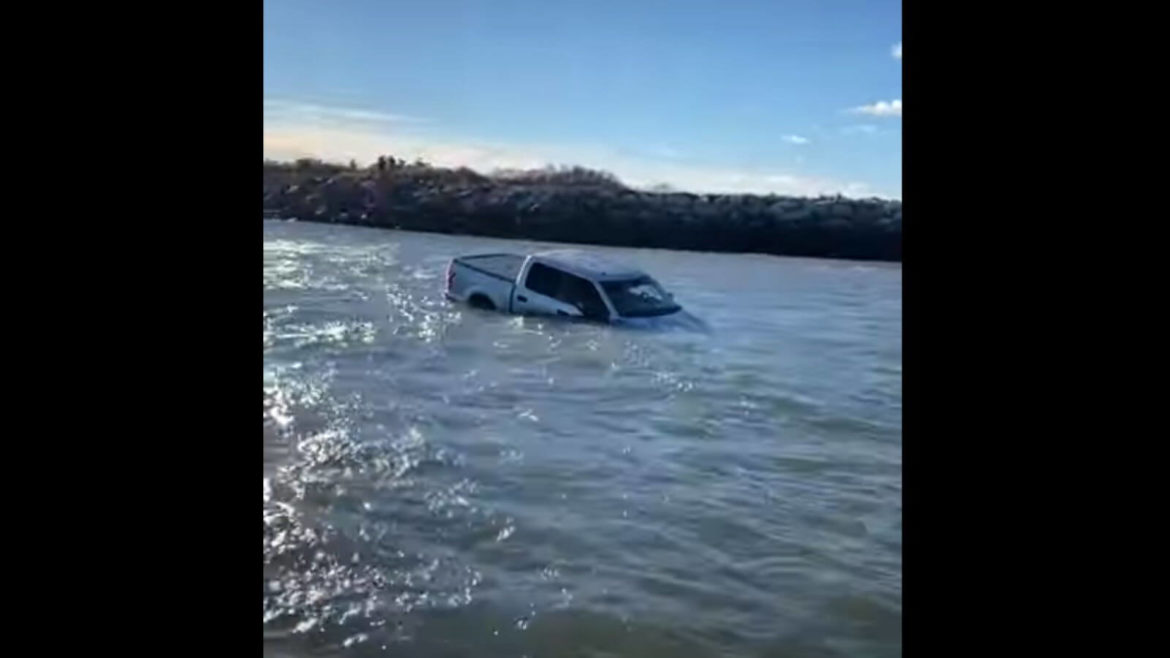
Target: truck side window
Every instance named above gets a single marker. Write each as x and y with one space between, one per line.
543 279
583 294
567 288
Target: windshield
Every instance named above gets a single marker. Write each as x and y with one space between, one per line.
639 297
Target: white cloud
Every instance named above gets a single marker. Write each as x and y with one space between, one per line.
312 112
897 51
881 109
667 152
287 138
795 139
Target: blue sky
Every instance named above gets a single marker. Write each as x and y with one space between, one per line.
785 96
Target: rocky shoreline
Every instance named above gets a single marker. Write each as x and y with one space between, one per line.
580 206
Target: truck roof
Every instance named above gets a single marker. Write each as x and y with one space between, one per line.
591 266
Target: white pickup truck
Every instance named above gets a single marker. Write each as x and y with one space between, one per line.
566 282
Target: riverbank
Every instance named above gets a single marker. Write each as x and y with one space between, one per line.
580 206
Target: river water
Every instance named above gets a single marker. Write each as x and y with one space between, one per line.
443 481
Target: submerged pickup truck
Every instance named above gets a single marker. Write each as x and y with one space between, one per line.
565 282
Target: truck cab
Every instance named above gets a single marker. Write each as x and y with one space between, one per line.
566 283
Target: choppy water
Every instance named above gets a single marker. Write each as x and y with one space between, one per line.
441 481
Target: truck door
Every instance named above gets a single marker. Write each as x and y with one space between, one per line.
539 292
554 292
